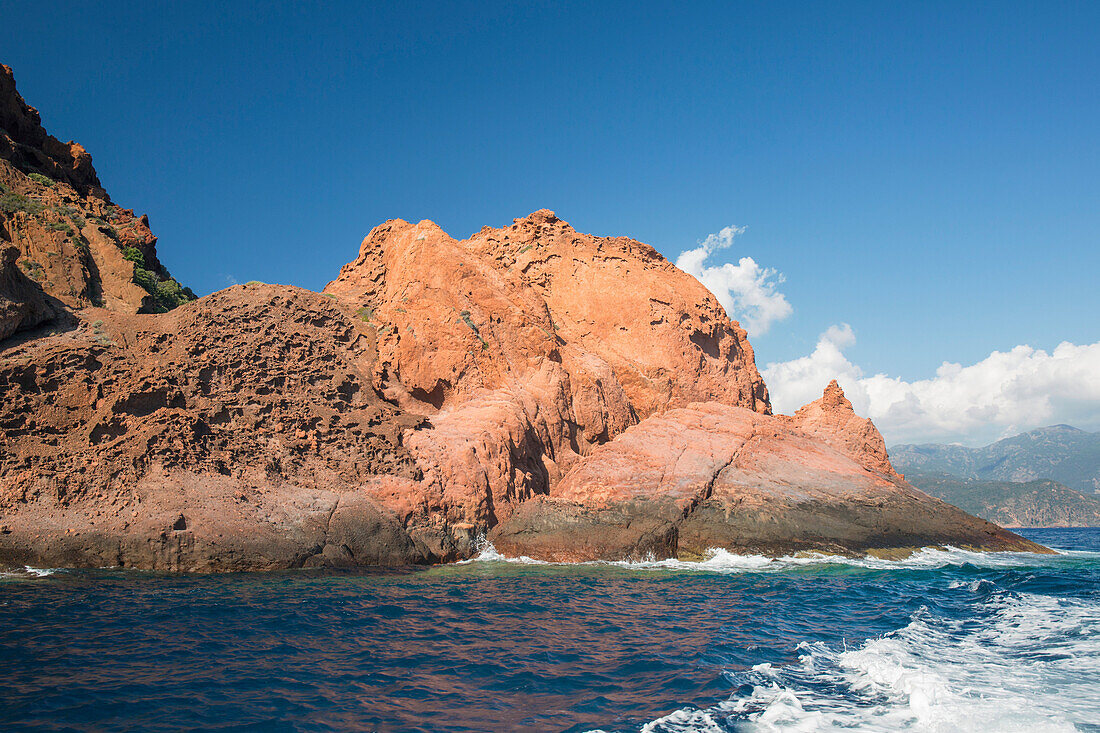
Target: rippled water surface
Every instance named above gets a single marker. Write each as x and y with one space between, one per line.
945 641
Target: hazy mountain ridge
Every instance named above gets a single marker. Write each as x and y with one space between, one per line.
1048 477
1040 503
1060 453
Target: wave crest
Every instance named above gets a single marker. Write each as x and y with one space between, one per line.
1030 667
723 561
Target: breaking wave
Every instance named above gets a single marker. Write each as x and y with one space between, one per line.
28 573
722 561
1031 664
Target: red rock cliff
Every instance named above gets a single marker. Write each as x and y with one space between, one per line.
491 306
571 396
80 248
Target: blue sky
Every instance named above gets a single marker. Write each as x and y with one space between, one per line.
926 173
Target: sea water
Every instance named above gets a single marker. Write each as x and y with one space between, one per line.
947 640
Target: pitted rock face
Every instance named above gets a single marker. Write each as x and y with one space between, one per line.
461 315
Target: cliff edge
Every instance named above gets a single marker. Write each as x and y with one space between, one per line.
78 246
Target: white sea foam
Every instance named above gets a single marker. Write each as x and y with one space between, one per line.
488 553
40 572
1032 665
722 561
27 573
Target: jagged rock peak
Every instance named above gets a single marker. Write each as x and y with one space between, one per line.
833 419
542 216
833 396
31 149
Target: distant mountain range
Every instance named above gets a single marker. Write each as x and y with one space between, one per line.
1044 477
1040 503
1061 453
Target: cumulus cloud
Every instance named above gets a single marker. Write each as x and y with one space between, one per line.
1003 394
746 290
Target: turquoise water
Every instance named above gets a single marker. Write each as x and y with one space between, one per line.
945 641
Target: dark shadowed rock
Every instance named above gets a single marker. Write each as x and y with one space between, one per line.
23 305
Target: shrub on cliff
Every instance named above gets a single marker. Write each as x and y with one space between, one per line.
13 202
167 294
170 294
39 178
134 255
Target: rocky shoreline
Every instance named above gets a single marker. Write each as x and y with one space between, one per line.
568 396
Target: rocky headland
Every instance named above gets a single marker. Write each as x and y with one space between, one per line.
567 396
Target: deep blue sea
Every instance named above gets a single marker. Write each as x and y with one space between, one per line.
944 641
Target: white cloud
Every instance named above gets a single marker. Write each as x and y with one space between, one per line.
1003 394
746 290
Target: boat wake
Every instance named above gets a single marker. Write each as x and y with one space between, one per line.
1031 665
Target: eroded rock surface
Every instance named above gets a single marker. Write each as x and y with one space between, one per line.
572 396
249 413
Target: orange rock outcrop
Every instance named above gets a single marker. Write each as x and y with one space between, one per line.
714 476
832 420
569 396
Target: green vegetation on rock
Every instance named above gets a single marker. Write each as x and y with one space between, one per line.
60 226
134 255
473 327
10 203
167 294
32 269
